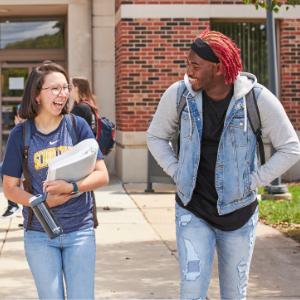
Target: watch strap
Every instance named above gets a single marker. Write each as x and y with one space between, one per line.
75 188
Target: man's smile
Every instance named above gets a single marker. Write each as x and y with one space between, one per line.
192 80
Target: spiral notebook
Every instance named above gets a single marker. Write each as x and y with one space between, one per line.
75 164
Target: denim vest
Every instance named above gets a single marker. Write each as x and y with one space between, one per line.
236 158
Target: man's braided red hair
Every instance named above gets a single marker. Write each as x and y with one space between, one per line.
227 52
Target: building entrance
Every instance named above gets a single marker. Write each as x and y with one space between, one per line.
24 44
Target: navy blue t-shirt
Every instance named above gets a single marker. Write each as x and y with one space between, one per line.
75 214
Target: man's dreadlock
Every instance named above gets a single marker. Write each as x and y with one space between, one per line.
227 52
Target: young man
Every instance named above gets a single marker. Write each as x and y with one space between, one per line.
216 174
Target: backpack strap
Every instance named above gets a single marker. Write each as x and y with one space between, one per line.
180 108
71 128
27 182
73 133
87 102
98 130
181 105
254 119
96 223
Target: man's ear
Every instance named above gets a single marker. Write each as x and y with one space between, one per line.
218 69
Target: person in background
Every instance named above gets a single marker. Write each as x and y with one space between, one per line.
71 256
12 208
81 91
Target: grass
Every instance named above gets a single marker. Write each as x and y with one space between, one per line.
283 214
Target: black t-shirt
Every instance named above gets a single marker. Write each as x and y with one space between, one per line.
204 199
84 111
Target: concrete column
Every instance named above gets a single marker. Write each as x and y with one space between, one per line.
79 33
104 63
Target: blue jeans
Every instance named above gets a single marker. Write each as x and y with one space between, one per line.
70 255
196 243
9 202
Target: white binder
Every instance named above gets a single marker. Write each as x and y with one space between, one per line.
75 164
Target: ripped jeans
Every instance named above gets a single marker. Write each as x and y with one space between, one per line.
196 243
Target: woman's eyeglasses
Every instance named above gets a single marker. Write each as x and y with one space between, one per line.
56 89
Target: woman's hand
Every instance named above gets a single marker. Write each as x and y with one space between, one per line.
55 200
57 187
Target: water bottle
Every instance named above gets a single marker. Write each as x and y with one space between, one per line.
45 216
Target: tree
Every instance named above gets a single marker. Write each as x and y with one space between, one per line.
273 6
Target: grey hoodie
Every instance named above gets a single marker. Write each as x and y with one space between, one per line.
275 125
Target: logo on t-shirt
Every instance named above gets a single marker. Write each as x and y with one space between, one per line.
43 157
52 143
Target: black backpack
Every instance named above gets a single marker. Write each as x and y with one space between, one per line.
253 116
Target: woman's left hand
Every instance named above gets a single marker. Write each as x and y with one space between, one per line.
57 187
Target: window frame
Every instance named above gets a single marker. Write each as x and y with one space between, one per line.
277 34
35 19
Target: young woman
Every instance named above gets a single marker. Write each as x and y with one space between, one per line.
81 91
71 255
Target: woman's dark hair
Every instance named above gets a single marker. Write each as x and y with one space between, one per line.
29 108
84 90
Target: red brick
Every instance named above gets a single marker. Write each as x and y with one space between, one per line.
289 70
143 95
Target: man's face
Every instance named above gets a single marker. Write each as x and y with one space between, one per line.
200 72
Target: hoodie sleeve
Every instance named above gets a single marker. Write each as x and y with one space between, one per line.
163 125
277 127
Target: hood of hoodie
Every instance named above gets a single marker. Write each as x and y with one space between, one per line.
242 85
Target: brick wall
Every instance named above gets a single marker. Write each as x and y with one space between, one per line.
118 3
151 53
290 69
150 56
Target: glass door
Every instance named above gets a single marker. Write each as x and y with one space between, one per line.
13 80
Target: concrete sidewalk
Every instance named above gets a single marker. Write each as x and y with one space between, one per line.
136 252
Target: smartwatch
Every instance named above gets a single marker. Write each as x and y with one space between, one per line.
75 188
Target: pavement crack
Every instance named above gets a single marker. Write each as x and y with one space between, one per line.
7 230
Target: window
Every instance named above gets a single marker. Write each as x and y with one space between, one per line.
13 81
25 33
251 38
